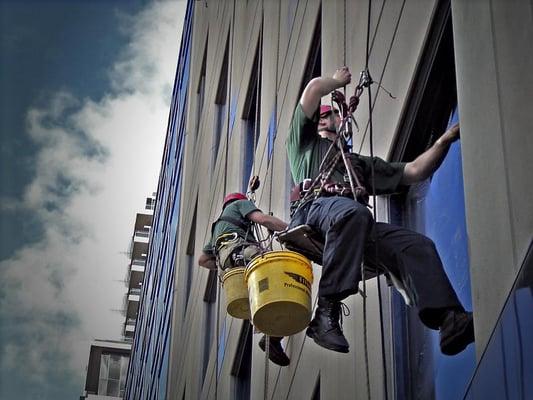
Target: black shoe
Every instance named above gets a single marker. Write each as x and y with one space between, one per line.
456 332
275 351
324 328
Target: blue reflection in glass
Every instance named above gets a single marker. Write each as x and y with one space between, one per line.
446 225
505 370
436 209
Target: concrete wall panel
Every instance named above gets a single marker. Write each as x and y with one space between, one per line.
493 58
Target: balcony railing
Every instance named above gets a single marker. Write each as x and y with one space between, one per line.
144 234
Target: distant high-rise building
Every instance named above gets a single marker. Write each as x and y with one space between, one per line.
135 274
107 370
108 359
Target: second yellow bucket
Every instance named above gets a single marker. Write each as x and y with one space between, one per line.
237 304
279 287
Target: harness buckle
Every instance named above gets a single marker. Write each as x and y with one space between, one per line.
226 239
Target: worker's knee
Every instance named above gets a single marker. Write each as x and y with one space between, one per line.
359 216
423 244
362 215
426 242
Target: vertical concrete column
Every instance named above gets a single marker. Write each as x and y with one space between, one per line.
494 82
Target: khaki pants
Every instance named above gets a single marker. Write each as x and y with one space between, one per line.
233 251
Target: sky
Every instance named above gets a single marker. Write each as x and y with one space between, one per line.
85 89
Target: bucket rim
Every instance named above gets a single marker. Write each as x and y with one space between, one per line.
233 271
255 263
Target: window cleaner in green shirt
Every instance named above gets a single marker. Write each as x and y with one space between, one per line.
233 242
350 232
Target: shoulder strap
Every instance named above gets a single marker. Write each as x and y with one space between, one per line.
233 221
244 226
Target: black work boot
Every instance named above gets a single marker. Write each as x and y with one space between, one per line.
325 329
456 332
275 351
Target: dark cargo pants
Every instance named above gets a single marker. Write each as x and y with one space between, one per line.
350 236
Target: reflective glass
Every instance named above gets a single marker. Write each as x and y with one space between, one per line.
435 208
114 367
112 388
505 370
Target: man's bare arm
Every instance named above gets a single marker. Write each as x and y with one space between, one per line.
319 87
427 163
268 221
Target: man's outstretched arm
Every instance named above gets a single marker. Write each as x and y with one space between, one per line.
268 221
427 163
320 87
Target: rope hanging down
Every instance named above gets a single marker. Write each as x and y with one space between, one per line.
321 184
366 78
228 127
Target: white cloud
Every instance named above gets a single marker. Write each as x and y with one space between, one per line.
96 164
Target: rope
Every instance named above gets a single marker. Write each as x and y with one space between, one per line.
363 277
270 162
292 63
373 179
198 282
344 40
218 341
257 86
384 69
201 128
267 342
298 359
228 101
267 351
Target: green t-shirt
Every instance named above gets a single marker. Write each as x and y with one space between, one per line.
306 149
238 210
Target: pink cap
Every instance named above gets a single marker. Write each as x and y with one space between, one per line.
324 109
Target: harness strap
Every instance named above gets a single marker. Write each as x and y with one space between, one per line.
235 221
244 226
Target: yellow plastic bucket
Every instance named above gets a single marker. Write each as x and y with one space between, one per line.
279 286
237 304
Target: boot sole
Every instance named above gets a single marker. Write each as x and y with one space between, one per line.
279 359
457 344
340 349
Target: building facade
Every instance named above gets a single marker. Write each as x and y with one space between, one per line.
241 70
135 274
148 368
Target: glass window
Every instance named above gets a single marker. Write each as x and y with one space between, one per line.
242 363
435 208
201 89
220 106
112 378
190 259
252 116
506 366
